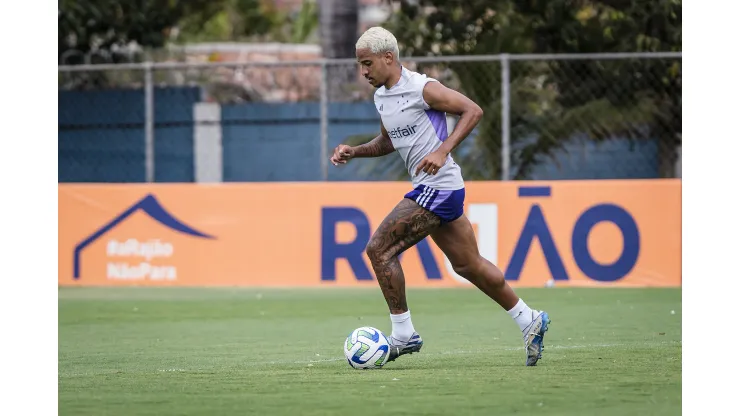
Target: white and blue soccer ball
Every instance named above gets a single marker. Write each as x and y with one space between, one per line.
366 348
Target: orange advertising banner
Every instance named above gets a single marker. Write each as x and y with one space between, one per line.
570 233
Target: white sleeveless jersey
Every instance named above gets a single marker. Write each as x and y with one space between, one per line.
416 130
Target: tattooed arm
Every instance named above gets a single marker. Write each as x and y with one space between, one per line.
379 146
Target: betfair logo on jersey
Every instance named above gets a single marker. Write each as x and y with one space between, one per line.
399 132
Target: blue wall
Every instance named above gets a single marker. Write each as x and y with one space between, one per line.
281 142
101 139
614 159
101 135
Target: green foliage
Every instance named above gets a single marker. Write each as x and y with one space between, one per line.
242 20
553 101
104 25
235 20
635 99
86 25
304 24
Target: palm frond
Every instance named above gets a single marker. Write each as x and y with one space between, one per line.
596 120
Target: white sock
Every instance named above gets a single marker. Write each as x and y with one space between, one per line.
402 326
522 314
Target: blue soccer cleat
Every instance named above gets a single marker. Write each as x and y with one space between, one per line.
534 338
399 348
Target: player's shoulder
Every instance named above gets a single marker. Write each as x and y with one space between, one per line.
418 79
411 82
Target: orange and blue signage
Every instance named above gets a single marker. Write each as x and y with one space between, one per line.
576 233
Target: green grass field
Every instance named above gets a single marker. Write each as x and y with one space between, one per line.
143 351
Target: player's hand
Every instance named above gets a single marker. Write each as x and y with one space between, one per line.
432 163
342 154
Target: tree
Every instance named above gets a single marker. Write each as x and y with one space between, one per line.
243 20
635 99
304 24
234 20
105 27
100 31
108 25
338 33
551 102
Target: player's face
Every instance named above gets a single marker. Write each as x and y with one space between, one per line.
375 68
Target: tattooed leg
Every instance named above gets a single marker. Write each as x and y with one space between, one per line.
405 226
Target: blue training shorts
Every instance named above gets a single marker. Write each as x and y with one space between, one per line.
447 205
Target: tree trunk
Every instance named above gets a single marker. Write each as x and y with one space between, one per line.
338 32
667 157
668 132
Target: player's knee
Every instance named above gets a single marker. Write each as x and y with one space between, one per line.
466 270
372 250
375 251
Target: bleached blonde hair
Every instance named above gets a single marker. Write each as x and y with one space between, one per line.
378 40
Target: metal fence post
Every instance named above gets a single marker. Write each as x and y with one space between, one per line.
149 121
74 77
505 122
324 122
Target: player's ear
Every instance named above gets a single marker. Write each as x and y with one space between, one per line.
388 58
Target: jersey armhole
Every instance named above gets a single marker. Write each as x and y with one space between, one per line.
423 102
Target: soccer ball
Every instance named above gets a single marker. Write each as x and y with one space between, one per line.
366 348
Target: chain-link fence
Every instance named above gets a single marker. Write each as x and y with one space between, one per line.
603 116
102 125
612 117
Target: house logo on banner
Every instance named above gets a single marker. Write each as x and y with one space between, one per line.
133 256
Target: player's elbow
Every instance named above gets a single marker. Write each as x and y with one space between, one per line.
476 112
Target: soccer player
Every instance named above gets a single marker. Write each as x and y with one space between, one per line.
412 110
